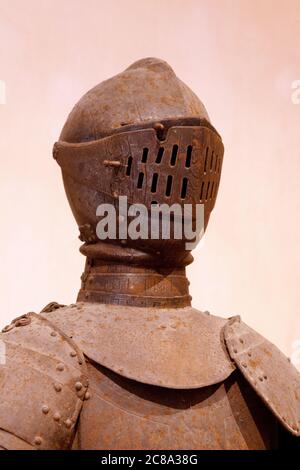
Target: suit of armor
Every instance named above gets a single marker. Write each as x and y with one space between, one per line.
132 365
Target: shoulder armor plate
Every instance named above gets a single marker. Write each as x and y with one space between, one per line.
43 382
269 372
174 348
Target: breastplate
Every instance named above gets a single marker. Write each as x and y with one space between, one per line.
125 414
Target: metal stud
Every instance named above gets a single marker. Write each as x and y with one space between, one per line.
37 440
68 423
53 333
87 396
78 386
60 367
45 409
57 387
56 416
73 353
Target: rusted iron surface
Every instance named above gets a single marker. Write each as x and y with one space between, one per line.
42 385
159 149
132 365
174 348
125 414
269 372
146 91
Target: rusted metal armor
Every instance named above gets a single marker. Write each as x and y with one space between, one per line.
132 365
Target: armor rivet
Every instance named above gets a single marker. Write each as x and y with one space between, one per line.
38 440
68 423
235 350
73 353
45 409
56 416
53 333
265 377
78 386
249 354
241 341
261 378
57 387
244 365
60 367
87 396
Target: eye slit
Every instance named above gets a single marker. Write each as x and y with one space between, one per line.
154 183
174 155
206 157
212 160
129 165
159 155
169 185
207 190
188 156
184 188
202 190
140 180
145 155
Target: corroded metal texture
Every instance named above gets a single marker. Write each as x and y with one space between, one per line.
174 348
127 276
269 372
146 91
133 365
42 385
125 414
161 149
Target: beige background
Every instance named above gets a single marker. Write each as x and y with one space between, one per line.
241 58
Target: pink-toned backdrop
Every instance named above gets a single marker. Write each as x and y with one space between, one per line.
241 57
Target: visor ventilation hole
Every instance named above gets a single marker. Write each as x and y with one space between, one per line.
145 155
154 183
212 190
140 180
169 185
174 155
219 165
188 156
159 155
207 191
206 158
212 161
184 188
129 165
202 190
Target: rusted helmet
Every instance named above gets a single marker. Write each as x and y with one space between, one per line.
142 134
